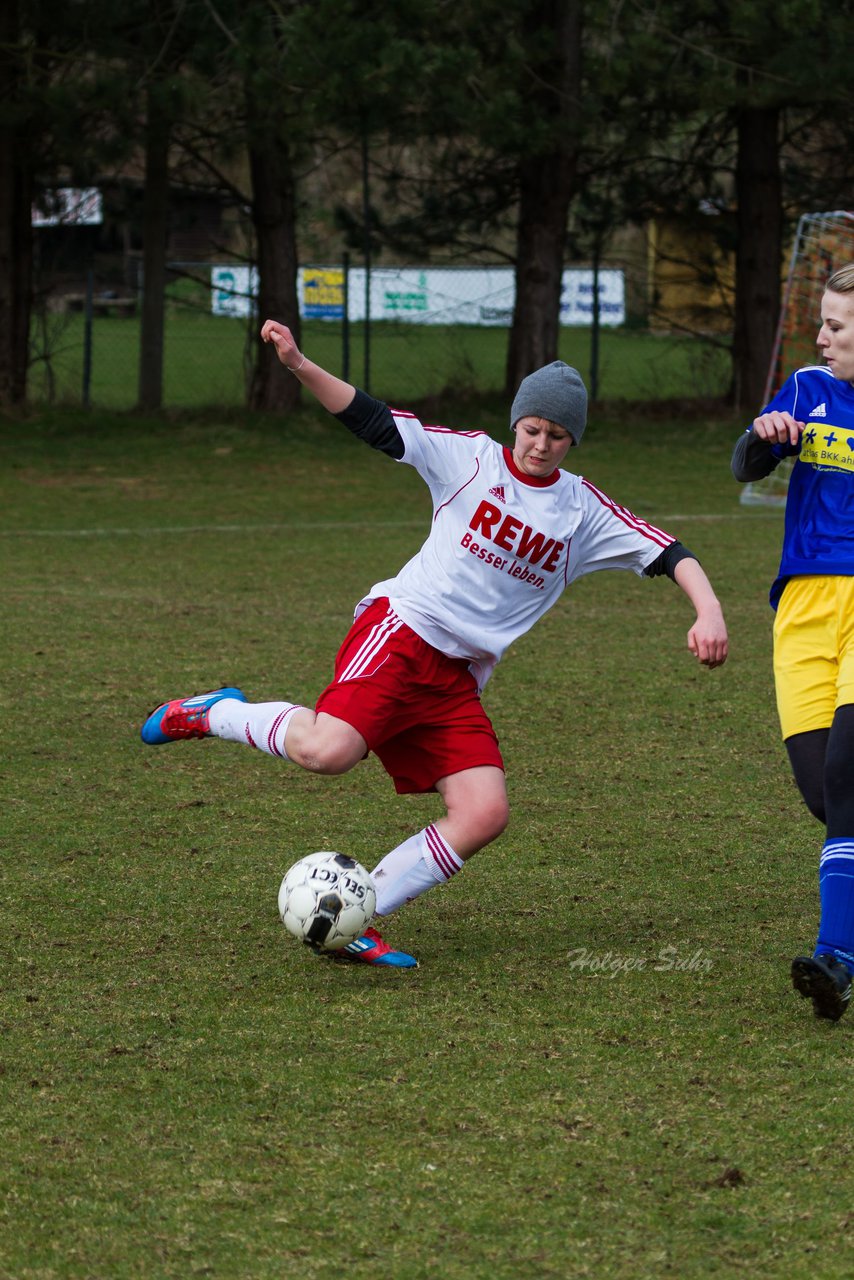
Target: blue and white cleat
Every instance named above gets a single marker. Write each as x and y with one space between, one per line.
370 949
184 717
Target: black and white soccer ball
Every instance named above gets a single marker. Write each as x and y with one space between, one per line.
327 900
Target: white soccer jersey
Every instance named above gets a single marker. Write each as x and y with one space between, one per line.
503 545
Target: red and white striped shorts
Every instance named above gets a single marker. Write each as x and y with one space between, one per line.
418 710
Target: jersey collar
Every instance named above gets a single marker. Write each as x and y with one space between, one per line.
536 482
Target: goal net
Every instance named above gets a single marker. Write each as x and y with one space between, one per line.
823 243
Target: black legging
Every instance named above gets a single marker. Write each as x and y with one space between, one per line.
823 764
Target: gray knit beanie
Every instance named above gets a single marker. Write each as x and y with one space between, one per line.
555 392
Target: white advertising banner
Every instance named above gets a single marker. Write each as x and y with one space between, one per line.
482 296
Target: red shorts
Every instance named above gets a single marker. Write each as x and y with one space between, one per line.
418 710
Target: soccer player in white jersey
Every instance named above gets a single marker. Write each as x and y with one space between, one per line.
510 531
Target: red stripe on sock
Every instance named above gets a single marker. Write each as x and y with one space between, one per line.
274 729
444 857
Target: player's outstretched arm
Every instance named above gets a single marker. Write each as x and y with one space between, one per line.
707 639
333 393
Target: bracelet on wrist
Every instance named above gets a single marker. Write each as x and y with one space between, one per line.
295 368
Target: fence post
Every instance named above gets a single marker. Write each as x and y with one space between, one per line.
366 218
345 321
594 330
87 336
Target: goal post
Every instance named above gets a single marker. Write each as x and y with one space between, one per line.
823 242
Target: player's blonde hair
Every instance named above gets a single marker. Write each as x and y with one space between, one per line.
842 281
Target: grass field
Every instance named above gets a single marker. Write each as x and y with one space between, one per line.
205 361
599 1070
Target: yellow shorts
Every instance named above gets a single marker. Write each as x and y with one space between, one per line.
814 651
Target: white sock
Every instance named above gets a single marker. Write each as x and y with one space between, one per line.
420 863
263 725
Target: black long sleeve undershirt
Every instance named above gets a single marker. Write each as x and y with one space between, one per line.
372 421
752 458
668 560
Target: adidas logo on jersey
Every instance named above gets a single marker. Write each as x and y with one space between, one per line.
820 411
498 492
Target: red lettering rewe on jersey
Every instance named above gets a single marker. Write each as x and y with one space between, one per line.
511 534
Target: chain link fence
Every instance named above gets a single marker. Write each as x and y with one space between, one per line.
403 333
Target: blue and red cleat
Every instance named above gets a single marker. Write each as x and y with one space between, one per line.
370 949
184 717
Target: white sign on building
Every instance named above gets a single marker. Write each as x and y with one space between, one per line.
69 207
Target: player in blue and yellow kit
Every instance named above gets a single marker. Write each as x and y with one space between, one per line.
812 419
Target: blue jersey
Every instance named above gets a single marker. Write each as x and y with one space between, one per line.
819 530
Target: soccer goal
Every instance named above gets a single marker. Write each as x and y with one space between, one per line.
823 243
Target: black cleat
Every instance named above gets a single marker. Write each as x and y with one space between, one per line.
825 981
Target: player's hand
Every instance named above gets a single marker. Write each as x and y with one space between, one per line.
708 640
283 342
778 428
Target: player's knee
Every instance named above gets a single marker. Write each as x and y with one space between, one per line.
501 815
812 794
327 757
490 818
815 804
474 825
838 795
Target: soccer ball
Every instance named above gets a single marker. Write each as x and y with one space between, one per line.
326 900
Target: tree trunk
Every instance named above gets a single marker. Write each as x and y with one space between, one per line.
758 253
16 235
543 208
155 233
274 219
546 188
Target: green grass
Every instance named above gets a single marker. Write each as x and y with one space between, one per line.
553 1093
205 361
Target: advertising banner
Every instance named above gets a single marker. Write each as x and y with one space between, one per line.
482 296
